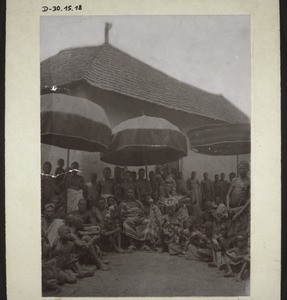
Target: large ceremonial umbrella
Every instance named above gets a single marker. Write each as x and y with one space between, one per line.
74 123
145 141
220 139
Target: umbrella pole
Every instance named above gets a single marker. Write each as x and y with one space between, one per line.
68 163
146 175
68 158
237 160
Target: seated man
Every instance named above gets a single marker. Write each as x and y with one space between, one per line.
50 224
85 240
83 213
100 211
135 226
59 209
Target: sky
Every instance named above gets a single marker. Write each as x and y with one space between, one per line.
209 52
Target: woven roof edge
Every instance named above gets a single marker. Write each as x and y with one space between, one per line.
104 45
163 73
164 105
72 48
180 82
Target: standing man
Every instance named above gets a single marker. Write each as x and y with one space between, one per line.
118 180
76 188
127 184
238 201
106 186
193 189
48 186
152 182
60 171
93 194
216 186
180 184
224 185
142 186
207 190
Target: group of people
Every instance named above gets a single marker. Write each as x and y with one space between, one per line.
82 222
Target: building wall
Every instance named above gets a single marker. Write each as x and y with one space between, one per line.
120 108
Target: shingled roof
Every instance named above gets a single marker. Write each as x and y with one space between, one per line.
111 69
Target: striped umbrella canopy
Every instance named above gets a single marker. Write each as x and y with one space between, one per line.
74 123
145 141
220 139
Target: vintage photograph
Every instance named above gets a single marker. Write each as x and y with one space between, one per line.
145 154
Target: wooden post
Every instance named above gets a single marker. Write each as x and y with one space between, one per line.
237 161
146 175
68 159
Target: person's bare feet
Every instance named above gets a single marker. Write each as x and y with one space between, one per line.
106 262
119 250
212 265
131 248
105 268
145 247
228 275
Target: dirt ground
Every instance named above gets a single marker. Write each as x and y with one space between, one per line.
155 274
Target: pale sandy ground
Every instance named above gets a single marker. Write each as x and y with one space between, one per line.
155 274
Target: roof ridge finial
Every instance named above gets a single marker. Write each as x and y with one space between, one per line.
107 28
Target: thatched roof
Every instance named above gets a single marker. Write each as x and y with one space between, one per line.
111 69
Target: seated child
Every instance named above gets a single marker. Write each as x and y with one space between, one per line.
245 269
170 226
170 237
221 214
111 232
205 252
49 272
67 262
208 214
223 244
180 246
235 258
113 207
50 280
85 240
195 243
118 194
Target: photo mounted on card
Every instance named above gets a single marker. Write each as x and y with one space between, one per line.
143 149
145 153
